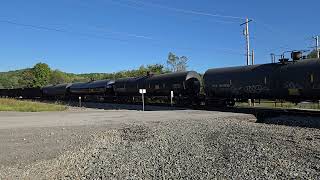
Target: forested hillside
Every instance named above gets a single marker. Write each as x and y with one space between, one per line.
41 75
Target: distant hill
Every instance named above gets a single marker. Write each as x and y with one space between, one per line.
43 75
10 79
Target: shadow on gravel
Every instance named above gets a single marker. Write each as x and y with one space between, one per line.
277 117
110 106
294 121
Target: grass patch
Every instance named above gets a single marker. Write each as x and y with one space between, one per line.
28 106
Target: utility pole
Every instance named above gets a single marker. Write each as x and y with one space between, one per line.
252 57
317 46
252 103
247 35
273 58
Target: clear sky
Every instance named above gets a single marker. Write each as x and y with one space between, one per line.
110 35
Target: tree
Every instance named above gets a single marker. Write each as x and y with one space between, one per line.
313 54
178 64
142 71
155 68
182 64
172 61
41 73
27 79
58 77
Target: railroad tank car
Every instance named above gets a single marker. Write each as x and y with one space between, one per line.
223 85
21 93
298 80
101 87
3 93
288 80
60 91
13 93
30 93
183 84
129 87
79 88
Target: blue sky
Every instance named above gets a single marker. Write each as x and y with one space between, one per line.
82 36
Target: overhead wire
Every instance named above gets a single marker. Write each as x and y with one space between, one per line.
141 5
90 35
185 10
137 4
40 27
267 27
123 33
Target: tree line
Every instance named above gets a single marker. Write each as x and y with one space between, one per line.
42 75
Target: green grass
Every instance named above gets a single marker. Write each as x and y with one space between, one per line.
28 106
283 105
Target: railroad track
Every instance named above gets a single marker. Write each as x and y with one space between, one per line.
289 117
259 112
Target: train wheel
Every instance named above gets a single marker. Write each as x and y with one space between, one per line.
231 103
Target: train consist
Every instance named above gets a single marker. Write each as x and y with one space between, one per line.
184 85
292 80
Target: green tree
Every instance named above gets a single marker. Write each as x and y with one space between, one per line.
58 77
313 54
27 79
178 64
182 64
155 68
41 73
172 61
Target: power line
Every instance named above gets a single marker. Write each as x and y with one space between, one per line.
120 3
40 27
138 2
123 33
154 43
185 11
267 26
271 29
139 7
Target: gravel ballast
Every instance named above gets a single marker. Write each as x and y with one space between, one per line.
186 145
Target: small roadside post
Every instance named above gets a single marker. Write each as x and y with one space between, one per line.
142 92
79 101
171 98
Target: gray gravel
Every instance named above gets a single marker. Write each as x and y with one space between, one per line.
184 145
207 149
